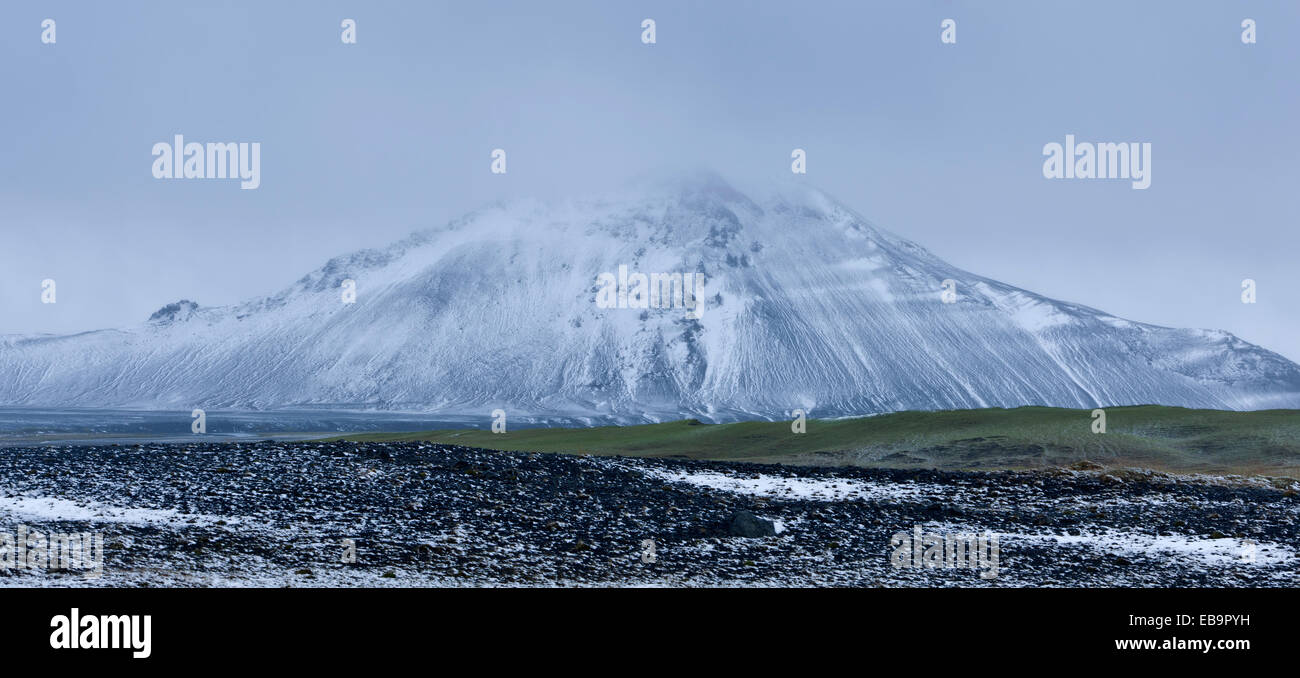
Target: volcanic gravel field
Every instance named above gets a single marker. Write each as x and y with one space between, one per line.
420 514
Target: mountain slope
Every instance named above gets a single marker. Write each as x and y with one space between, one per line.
806 305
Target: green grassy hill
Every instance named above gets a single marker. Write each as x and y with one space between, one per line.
1156 437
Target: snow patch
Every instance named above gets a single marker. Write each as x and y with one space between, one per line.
780 487
45 509
1206 551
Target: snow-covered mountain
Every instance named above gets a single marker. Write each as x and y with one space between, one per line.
805 305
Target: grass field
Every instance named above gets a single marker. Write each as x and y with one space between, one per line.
1161 438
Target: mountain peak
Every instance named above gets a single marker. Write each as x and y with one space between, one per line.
805 305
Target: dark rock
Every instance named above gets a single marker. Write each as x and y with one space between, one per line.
181 310
746 524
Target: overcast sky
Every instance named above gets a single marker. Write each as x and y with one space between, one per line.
940 143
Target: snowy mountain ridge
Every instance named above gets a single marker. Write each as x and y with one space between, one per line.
805 305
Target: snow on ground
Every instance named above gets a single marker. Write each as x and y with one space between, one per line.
42 509
793 487
1222 551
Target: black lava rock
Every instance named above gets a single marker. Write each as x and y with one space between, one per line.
746 524
448 515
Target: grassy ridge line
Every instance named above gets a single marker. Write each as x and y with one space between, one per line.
1148 436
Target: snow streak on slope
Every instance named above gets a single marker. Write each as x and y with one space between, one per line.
807 305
